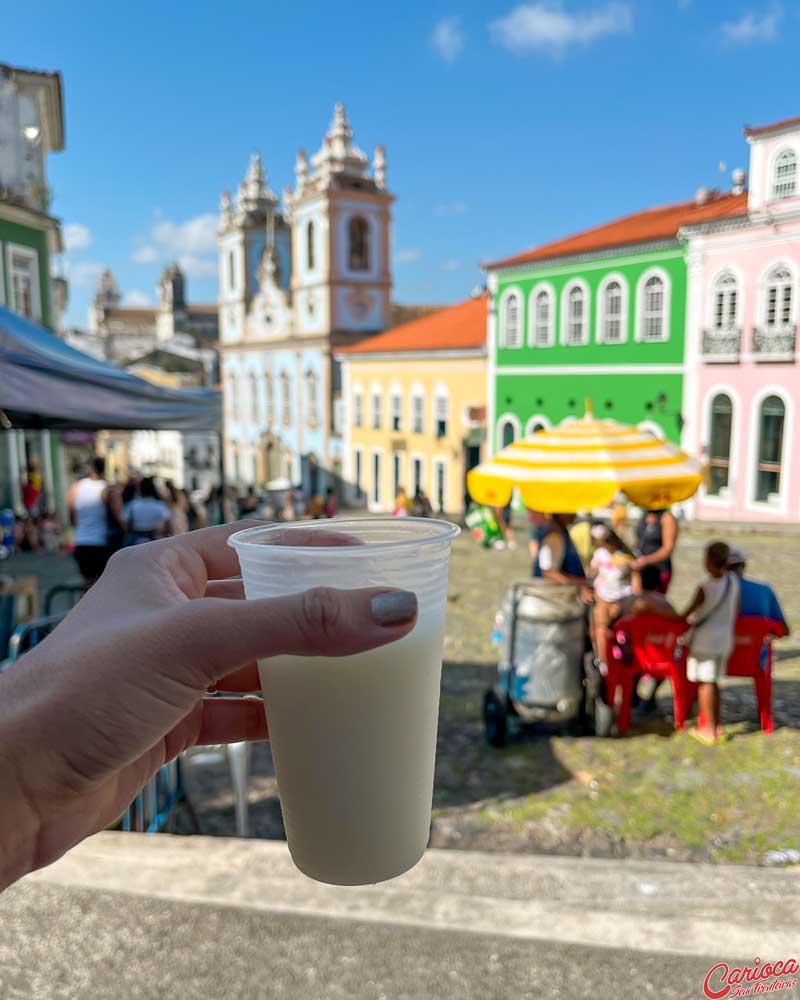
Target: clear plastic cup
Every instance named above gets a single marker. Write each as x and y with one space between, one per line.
354 737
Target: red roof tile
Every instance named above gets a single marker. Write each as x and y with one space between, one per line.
451 328
641 227
762 129
202 307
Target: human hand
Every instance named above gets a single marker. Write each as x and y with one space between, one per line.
587 595
639 563
117 690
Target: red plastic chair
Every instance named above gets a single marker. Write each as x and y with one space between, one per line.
653 646
751 635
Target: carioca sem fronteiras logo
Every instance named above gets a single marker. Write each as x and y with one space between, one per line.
724 981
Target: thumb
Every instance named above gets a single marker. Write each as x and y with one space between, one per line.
209 637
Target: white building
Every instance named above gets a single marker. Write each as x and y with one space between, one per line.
296 282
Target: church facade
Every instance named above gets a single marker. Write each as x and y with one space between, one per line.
297 281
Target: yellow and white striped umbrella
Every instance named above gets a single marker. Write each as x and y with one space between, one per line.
582 465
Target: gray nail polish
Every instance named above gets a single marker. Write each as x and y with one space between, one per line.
394 607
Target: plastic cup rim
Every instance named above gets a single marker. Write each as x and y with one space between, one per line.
238 540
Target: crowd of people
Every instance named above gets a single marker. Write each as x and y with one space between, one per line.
620 578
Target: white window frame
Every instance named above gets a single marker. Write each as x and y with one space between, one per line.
773 173
376 396
440 462
599 335
782 504
587 318
653 272
396 407
440 393
507 293
728 498
537 418
358 405
714 288
763 289
36 292
415 456
544 287
269 397
506 418
375 494
417 393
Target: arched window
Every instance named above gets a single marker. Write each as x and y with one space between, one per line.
653 309
441 407
286 399
358 407
576 316
512 322
719 442
358 243
778 305
726 294
254 408
269 398
417 411
507 434
377 408
396 409
612 321
310 245
542 319
771 420
784 175
312 398
535 425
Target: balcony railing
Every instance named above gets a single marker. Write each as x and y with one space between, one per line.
774 343
722 346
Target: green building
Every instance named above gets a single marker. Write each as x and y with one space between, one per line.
598 315
31 126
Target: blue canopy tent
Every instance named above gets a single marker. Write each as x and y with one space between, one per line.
46 384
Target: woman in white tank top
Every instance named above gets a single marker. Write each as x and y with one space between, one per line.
88 507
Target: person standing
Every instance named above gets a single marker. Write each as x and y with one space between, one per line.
87 502
147 517
656 537
178 509
712 615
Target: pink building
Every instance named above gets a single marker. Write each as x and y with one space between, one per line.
742 371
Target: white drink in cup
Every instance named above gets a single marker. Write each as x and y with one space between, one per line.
354 737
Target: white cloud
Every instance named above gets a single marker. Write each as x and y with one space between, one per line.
137 298
448 38
76 236
407 256
451 264
752 27
169 240
196 267
146 254
83 273
546 26
445 208
195 236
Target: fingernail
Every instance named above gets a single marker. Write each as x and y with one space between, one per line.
394 607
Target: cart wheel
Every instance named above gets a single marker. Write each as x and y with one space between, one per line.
495 719
603 718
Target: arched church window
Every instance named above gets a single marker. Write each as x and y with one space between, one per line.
310 245
358 243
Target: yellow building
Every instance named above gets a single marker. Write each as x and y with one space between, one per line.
415 399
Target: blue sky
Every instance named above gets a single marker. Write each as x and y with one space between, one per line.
506 124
